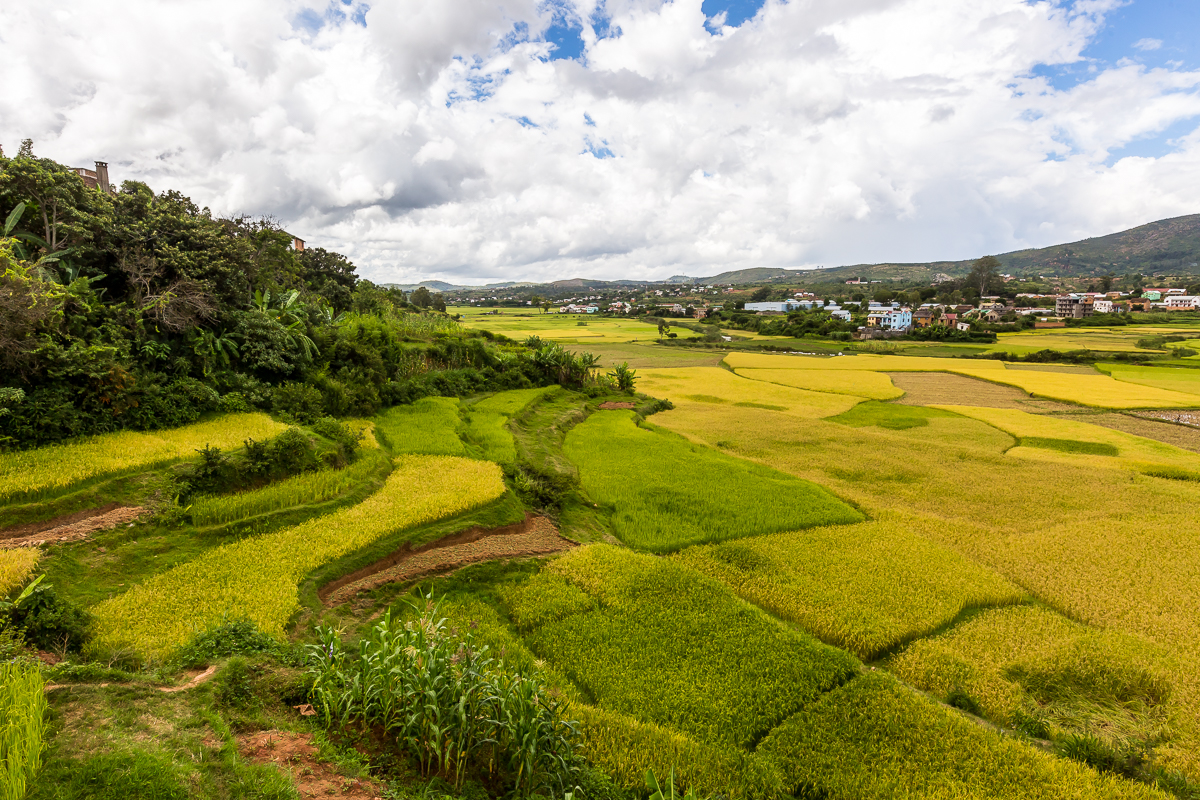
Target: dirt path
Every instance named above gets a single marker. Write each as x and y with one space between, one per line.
71 527
535 536
295 754
197 678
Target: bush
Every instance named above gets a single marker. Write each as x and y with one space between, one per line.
346 438
237 637
299 402
234 402
50 622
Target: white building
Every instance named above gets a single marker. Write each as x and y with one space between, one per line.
782 307
892 319
1102 306
1181 301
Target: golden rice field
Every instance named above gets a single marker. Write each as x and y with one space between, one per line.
875 739
716 387
1029 662
871 385
30 474
1134 451
1097 390
306 489
16 567
1111 548
256 578
865 587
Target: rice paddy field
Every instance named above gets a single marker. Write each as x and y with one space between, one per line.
857 576
663 490
31 474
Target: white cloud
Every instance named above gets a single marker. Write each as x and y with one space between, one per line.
437 141
1148 44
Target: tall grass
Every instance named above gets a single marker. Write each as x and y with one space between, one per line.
257 578
667 493
309 488
34 474
22 728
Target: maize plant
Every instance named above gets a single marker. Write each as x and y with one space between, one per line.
457 711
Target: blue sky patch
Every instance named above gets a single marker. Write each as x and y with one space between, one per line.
1156 145
600 150
736 11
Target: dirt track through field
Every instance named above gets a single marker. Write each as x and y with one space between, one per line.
196 678
535 536
70 528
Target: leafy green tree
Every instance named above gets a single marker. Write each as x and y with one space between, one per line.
330 275
760 294
985 275
421 297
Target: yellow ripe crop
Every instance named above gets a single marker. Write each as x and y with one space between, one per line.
257 578
1028 661
863 587
1097 390
367 427
715 386
860 383
669 646
865 361
305 489
875 739
1134 451
16 566
31 473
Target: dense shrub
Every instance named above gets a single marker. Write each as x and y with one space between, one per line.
51 622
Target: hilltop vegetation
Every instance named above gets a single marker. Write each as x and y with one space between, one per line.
139 310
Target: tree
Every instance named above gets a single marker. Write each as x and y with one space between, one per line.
330 275
1106 283
985 274
760 294
421 297
664 328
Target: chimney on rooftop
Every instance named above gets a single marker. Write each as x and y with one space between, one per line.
102 176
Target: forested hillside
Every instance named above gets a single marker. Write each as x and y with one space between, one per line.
139 310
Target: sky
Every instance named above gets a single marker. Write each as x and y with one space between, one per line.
490 140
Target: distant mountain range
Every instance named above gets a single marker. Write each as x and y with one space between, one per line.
1166 247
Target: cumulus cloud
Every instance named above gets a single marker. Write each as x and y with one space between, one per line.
441 140
1148 44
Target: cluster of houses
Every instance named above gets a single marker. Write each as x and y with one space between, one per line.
1084 304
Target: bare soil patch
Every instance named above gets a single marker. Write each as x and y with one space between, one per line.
70 527
535 536
612 404
944 388
296 755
